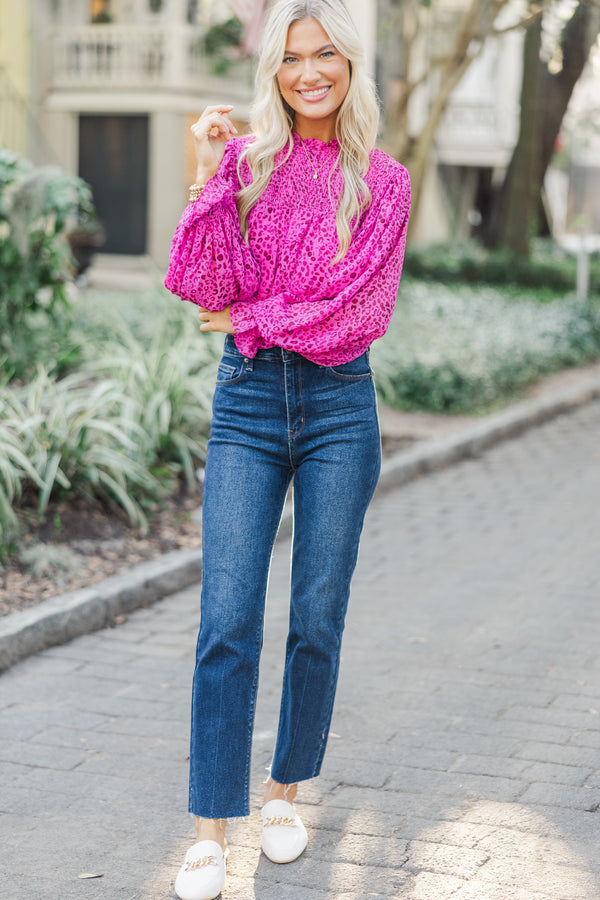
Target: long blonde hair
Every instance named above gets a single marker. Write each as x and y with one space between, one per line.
271 119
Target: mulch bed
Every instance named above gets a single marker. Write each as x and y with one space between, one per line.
78 545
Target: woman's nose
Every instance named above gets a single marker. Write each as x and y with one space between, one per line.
309 72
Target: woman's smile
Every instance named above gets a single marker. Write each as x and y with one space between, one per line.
312 94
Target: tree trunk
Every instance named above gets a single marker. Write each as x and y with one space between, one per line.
518 209
579 35
519 197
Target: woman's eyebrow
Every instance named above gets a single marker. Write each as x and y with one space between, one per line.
316 53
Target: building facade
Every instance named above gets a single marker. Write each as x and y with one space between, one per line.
111 90
118 85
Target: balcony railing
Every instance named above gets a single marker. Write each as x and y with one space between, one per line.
477 132
133 57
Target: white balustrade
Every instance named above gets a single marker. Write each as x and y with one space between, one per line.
118 56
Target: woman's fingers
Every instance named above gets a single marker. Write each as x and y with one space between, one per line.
210 134
212 125
221 108
205 319
214 121
216 321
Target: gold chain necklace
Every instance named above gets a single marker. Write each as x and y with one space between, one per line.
312 165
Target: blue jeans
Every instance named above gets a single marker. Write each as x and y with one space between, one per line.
276 417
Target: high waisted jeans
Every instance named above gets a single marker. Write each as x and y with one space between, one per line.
276 417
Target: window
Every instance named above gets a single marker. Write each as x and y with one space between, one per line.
99 11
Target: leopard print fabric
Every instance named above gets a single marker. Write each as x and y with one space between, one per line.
281 285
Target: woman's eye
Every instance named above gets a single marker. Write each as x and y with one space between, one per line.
290 59
327 54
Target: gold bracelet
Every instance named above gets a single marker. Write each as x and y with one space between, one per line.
195 191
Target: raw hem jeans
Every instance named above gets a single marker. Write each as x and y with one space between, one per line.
276 417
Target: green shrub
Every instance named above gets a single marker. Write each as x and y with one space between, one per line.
550 268
220 40
463 349
15 467
37 207
222 35
171 376
124 428
133 420
76 437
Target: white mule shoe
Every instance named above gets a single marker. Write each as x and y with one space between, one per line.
202 875
284 836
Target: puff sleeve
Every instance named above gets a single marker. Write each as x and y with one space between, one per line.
210 262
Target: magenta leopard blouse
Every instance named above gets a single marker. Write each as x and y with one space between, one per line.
281 285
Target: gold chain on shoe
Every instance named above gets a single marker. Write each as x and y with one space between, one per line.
280 820
194 864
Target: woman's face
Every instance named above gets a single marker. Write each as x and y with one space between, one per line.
313 79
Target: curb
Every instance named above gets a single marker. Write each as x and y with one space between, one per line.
493 429
64 617
69 615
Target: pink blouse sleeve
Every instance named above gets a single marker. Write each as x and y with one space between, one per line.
210 262
354 307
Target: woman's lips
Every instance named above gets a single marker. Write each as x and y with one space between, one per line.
315 94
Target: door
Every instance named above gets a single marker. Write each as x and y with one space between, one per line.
113 159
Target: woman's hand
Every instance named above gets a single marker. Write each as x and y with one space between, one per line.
211 133
216 321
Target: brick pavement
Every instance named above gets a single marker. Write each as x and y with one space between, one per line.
464 757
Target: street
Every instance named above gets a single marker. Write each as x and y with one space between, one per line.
464 758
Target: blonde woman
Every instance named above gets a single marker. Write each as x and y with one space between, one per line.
292 245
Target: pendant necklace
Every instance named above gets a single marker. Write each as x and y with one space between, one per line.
312 165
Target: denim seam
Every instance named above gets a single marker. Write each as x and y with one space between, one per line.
341 377
290 436
293 738
217 747
254 689
300 392
251 716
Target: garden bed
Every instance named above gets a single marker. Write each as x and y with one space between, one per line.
113 421
464 348
80 545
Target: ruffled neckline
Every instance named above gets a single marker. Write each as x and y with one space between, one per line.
315 142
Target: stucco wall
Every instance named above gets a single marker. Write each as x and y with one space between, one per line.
15 74
15 44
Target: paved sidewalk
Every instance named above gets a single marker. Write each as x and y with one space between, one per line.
464 758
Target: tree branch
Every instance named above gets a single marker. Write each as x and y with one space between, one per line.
411 86
530 19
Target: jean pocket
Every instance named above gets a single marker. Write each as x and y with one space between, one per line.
231 370
355 370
